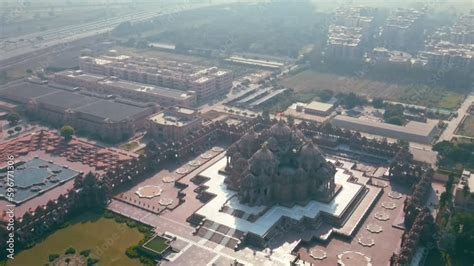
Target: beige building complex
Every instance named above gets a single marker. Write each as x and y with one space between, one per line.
412 131
350 29
208 83
174 123
110 120
133 90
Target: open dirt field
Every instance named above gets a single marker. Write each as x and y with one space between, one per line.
312 81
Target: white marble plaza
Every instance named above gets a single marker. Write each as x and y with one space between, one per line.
226 197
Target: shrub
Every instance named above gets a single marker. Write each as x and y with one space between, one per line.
146 261
109 215
148 235
131 224
30 245
120 219
85 253
64 225
52 257
132 252
70 251
91 261
143 229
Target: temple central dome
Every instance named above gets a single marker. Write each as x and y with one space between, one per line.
277 165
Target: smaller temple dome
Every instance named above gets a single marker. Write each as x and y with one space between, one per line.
300 175
309 150
249 139
280 130
286 175
250 181
263 155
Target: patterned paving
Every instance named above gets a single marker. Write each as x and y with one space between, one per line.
382 216
374 228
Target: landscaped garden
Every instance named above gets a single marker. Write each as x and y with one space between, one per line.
467 127
157 244
106 239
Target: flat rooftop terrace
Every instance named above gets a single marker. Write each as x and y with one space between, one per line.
168 119
34 177
61 100
153 89
319 106
412 127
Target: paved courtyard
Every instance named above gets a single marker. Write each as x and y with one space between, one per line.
160 192
376 239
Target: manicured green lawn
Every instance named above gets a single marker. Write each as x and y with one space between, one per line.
106 239
157 244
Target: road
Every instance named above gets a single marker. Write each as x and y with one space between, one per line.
35 42
448 133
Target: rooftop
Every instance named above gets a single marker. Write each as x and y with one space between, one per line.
65 99
34 177
112 111
412 127
153 89
62 100
319 106
169 119
24 91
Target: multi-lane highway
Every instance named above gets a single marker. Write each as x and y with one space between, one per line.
29 44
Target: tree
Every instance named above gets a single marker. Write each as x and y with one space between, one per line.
266 115
93 193
325 95
3 239
13 118
18 129
351 100
67 132
462 225
291 121
446 241
394 114
70 251
377 102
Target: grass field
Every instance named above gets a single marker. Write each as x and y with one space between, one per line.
467 127
106 239
310 81
157 244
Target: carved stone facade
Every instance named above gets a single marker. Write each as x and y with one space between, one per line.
278 165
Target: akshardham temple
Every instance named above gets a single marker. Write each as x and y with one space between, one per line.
279 166
274 179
